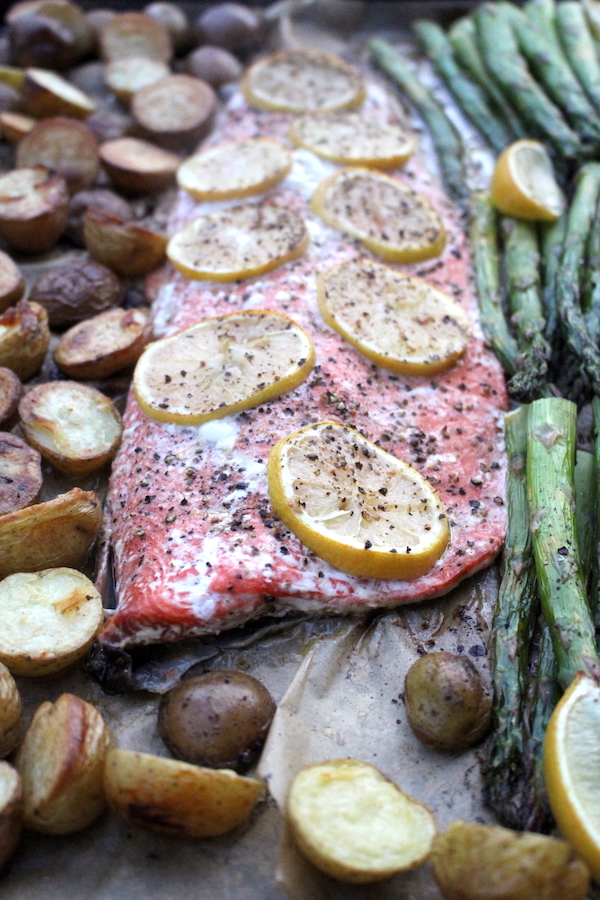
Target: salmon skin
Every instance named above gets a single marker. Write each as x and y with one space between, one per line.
197 548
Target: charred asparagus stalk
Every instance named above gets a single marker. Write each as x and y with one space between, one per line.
590 295
550 463
466 92
552 238
522 266
595 587
578 43
504 61
446 139
486 265
463 37
543 695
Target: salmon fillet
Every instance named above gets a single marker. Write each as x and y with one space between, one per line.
197 548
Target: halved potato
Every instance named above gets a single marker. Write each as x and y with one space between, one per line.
76 290
47 94
174 797
62 145
58 532
33 209
129 74
11 811
14 126
355 824
11 710
20 473
61 760
96 198
74 426
135 34
176 111
104 344
10 394
24 338
12 283
128 248
137 166
48 620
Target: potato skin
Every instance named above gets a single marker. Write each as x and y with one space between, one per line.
24 344
11 710
11 811
20 473
219 719
485 862
76 291
447 703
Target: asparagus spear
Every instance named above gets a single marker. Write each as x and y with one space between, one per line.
552 237
550 462
543 14
522 265
484 244
546 58
568 277
590 294
467 93
543 695
446 139
507 781
505 63
595 588
580 49
463 37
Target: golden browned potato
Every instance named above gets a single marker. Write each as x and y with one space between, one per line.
138 167
355 824
10 394
48 620
448 704
12 283
177 111
65 146
20 473
135 34
24 338
174 797
74 426
215 65
104 344
11 811
219 719
61 761
129 74
11 710
46 93
485 862
33 209
58 532
95 198
174 20
128 248
14 126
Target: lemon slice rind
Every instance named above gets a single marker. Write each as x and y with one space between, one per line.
300 81
354 505
222 366
365 204
235 170
398 321
240 242
523 183
350 139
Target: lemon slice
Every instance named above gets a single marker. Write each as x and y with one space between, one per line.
571 768
222 366
523 183
349 138
238 243
353 504
399 322
235 170
300 81
386 215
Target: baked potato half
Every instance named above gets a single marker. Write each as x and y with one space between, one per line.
11 710
11 811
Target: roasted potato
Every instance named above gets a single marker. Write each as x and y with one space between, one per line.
37 40
20 473
14 126
215 65
138 167
75 291
33 209
58 532
128 248
12 283
234 26
448 704
174 797
355 824
219 719
104 344
177 111
62 145
129 74
74 426
48 620
10 394
174 20
135 34
94 198
11 811
11 710
46 93
24 338
61 762
485 862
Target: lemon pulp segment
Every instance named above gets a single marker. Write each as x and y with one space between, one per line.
236 169
222 366
240 242
399 322
523 183
300 81
347 137
354 505
389 218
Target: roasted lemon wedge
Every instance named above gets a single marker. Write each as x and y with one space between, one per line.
300 81
222 366
235 170
353 504
523 183
387 216
399 322
241 242
348 138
